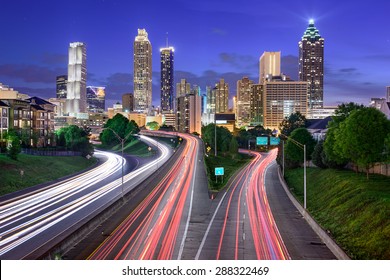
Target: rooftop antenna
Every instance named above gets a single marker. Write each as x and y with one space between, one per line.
167 39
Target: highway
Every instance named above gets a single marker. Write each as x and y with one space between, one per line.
33 222
242 225
158 226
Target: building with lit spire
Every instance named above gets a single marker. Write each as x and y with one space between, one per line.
311 65
167 79
142 72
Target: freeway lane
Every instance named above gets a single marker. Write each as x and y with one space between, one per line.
157 227
242 226
31 224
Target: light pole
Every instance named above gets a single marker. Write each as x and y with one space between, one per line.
122 140
215 135
304 164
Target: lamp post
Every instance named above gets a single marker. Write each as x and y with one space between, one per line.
122 141
303 146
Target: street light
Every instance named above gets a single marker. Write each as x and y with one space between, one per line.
304 164
122 140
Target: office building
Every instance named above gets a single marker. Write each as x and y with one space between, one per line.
281 98
244 87
96 99
76 98
142 72
61 86
311 65
167 79
388 94
128 102
269 65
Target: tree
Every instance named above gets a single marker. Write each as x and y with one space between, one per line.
122 126
332 158
13 144
293 151
318 155
361 137
233 147
223 137
153 125
292 122
75 138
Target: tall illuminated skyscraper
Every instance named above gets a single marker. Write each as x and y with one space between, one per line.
76 98
142 72
244 88
167 79
221 97
311 65
269 65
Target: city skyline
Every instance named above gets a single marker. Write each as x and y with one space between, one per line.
226 45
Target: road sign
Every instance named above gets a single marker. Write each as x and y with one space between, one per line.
219 171
263 140
274 141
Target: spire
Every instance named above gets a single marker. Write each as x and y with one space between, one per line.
311 32
167 40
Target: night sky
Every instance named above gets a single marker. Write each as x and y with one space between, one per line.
212 39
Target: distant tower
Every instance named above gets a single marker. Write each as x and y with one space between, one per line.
61 85
142 72
77 79
128 102
96 99
167 79
244 88
269 65
311 65
388 94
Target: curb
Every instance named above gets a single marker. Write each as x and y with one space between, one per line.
329 242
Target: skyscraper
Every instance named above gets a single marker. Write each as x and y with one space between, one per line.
243 101
76 99
269 65
167 79
388 94
221 97
142 72
311 65
61 85
189 107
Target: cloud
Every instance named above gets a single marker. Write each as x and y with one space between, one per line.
290 65
54 59
118 84
31 73
348 70
218 31
46 93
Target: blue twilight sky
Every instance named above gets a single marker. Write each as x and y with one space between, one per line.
212 39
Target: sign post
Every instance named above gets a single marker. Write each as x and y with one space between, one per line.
219 171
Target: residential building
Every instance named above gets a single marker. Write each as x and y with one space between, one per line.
77 79
321 113
311 65
377 102
244 88
269 65
61 86
385 109
142 72
4 121
96 99
281 98
167 79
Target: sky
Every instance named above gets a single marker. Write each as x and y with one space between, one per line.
213 39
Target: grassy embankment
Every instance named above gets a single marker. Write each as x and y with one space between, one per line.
355 210
37 170
230 166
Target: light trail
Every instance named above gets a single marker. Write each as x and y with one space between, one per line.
29 216
152 229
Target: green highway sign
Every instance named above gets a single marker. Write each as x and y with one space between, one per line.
219 171
263 140
274 141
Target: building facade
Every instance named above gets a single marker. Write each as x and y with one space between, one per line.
142 72
4 120
61 86
269 65
76 99
96 99
167 79
311 65
189 108
256 105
